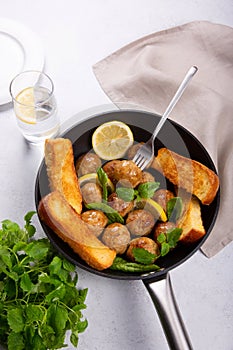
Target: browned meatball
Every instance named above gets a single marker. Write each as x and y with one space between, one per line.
147 177
117 237
145 243
87 163
92 193
123 170
162 227
140 222
119 204
162 197
133 150
96 221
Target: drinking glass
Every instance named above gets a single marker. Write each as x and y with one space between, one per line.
35 106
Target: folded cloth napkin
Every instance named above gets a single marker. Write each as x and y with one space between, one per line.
148 71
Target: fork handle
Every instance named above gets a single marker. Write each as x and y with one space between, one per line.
191 72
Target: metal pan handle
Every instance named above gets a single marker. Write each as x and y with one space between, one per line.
163 298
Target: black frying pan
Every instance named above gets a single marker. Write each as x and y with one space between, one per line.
178 139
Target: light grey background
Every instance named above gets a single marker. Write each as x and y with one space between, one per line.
75 35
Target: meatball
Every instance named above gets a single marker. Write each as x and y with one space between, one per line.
119 204
117 237
145 243
96 221
147 177
92 193
87 163
162 227
162 197
140 222
133 150
123 170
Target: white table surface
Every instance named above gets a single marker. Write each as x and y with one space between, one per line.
76 34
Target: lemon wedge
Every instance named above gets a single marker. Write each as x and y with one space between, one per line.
111 140
153 207
25 109
93 177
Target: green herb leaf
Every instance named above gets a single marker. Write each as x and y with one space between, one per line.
169 240
147 189
165 248
125 193
16 341
173 236
15 319
142 256
119 264
26 283
111 213
37 249
103 180
37 291
174 208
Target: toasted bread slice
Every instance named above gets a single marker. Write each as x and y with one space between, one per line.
55 211
61 172
189 174
191 220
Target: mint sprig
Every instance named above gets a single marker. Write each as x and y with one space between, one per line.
145 190
169 240
39 301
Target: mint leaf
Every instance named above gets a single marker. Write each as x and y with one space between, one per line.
142 256
147 189
103 180
37 249
111 213
16 341
165 248
26 283
119 264
174 208
127 194
28 227
15 319
173 236
161 238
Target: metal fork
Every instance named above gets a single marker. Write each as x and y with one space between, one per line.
145 153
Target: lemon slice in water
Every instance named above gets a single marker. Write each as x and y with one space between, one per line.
111 140
24 107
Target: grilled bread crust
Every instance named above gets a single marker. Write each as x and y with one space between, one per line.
55 211
190 220
61 172
189 174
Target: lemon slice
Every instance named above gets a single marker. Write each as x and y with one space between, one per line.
25 109
93 177
111 140
153 207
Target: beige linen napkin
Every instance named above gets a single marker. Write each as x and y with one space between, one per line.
148 71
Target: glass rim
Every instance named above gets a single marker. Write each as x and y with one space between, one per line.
36 104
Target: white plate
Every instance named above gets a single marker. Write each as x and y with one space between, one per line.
20 50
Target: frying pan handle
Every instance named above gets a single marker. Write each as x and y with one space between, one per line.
163 298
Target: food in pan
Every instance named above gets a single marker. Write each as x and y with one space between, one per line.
62 177
126 220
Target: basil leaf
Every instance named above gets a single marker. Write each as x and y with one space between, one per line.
127 194
142 256
174 208
147 189
111 213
